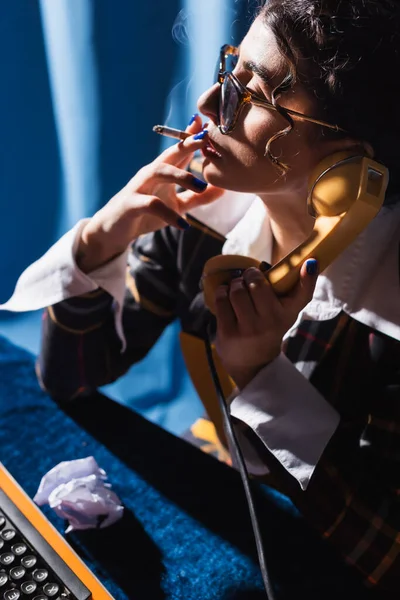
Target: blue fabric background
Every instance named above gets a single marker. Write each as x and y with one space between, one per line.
83 83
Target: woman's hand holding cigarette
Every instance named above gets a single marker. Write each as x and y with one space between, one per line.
147 203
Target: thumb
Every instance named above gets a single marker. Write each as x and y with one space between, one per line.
303 292
308 280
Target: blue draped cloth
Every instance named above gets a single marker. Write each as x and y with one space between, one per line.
83 82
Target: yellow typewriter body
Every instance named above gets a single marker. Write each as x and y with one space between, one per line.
91 587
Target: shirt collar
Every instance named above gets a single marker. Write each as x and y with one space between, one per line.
363 281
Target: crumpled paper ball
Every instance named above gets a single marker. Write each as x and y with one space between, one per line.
77 491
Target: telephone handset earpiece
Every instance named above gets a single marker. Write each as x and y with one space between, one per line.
345 193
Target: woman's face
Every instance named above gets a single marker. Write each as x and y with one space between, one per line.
243 166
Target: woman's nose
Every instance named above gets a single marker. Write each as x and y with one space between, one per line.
208 103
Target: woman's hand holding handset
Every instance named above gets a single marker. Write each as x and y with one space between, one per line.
252 320
147 203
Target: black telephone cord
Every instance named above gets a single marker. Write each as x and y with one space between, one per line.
238 456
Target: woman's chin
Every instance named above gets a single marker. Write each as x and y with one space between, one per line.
215 175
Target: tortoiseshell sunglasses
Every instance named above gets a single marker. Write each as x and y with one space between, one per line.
234 95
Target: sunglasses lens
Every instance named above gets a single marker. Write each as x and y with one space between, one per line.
228 104
217 70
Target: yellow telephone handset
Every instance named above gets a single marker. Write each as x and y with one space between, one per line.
345 193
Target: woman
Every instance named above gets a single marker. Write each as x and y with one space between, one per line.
320 410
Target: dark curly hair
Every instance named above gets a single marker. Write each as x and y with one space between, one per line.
352 52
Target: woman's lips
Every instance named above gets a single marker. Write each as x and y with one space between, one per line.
209 150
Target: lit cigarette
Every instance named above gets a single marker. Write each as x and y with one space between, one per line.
171 132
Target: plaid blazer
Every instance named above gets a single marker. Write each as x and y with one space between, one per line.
353 498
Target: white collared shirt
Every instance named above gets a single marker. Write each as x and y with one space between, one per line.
363 282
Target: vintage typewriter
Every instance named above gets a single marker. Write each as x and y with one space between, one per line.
36 562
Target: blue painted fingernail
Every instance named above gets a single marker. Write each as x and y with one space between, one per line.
192 120
201 135
236 273
199 183
312 266
264 266
182 223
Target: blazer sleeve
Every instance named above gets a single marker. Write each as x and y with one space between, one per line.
346 479
81 349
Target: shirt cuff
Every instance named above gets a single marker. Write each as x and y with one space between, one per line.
52 278
56 277
291 418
